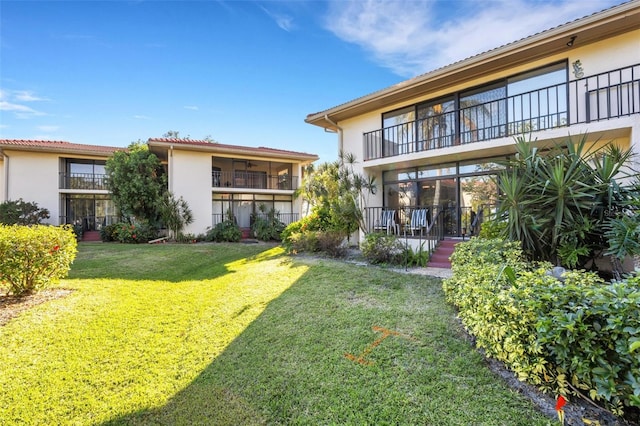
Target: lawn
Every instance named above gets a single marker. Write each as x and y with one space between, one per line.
243 334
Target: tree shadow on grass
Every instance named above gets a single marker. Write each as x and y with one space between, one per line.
289 364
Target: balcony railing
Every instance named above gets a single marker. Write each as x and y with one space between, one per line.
438 221
82 181
252 180
604 96
89 223
285 218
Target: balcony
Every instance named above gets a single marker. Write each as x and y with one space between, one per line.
604 96
89 181
252 180
286 218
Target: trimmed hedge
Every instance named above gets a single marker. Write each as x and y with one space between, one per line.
34 257
567 335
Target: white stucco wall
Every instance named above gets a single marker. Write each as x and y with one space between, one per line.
34 177
607 55
190 178
617 52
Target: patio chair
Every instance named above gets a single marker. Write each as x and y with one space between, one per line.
387 222
419 221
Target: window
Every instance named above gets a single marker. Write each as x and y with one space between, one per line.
483 113
84 174
538 99
399 131
436 124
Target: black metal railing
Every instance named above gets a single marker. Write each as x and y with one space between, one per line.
603 96
89 223
252 180
440 220
82 181
285 218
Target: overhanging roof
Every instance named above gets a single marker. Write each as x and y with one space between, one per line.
598 26
214 147
57 147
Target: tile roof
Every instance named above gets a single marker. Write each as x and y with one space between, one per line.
224 147
44 145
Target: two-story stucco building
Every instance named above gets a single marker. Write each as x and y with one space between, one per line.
68 179
432 142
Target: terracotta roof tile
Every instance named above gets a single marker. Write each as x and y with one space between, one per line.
204 143
57 146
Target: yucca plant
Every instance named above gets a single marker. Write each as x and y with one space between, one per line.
557 202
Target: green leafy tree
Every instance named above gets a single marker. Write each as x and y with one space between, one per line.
22 212
336 190
137 183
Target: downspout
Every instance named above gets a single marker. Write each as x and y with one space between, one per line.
6 176
170 167
340 136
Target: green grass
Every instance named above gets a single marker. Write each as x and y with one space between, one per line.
241 334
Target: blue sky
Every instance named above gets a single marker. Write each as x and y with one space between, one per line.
240 72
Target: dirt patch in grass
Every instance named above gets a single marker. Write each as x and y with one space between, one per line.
11 306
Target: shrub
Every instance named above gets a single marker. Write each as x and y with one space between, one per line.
267 226
419 257
302 241
313 222
22 212
186 238
132 233
593 334
302 235
332 243
492 229
378 247
77 231
108 232
562 335
32 258
224 231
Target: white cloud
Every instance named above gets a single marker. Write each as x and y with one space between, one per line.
27 96
283 21
414 37
14 101
141 117
191 107
20 111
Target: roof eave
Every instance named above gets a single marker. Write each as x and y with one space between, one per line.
609 23
60 150
234 150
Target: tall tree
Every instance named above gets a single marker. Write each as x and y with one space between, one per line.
137 183
339 192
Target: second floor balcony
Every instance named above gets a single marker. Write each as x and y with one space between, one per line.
253 180
87 181
600 97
